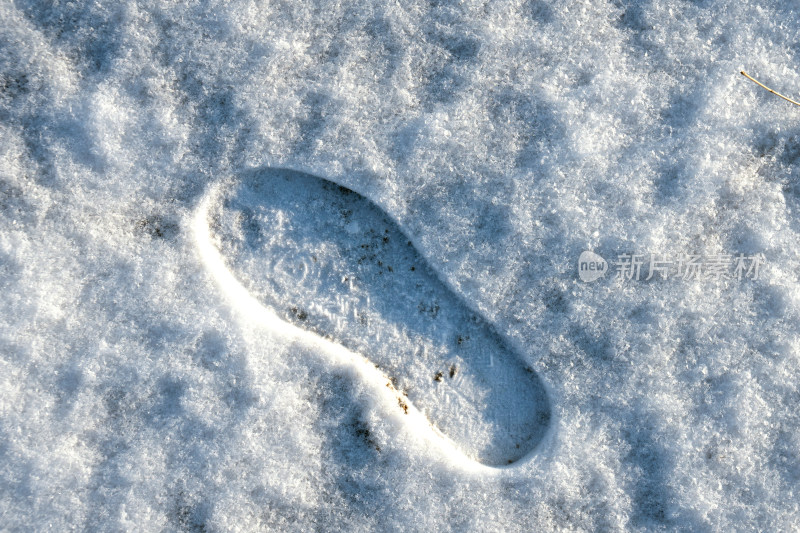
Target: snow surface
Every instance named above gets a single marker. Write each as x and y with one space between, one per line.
137 392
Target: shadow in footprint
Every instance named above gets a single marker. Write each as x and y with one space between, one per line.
328 260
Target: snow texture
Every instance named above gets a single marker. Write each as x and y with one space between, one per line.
142 389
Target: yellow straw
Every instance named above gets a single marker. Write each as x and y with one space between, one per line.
767 88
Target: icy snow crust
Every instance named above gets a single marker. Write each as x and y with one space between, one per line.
505 138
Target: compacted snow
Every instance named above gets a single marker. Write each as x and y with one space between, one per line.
199 205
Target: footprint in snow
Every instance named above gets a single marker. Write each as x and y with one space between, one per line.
329 261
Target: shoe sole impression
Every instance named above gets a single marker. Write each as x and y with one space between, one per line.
327 260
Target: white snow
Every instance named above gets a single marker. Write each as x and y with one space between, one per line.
137 392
